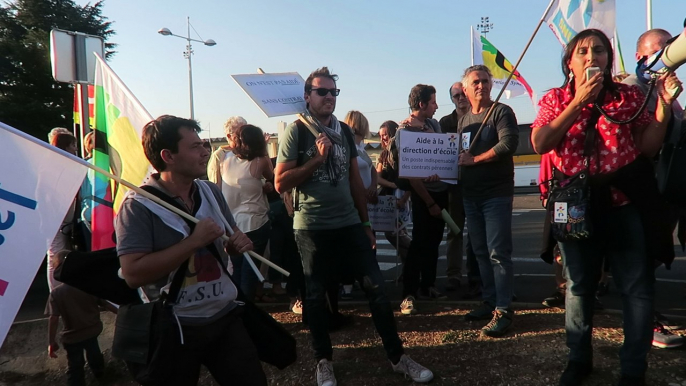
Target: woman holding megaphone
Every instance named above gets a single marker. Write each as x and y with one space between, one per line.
604 200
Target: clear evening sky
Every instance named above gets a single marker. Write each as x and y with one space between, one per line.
379 48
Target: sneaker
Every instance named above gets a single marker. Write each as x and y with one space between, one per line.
346 292
499 325
454 284
431 293
556 300
663 338
575 373
414 370
628 380
473 292
297 306
407 306
666 323
324 373
483 312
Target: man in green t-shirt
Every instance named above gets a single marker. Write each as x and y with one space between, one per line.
331 224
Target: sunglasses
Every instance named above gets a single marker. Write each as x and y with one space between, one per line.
459 95
324 91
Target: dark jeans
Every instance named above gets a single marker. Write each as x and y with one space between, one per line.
455 240
427 234
224 348
490 231
76 361
473 271
243 274
324 254
633 274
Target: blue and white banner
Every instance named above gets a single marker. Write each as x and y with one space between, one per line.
569 17
38 183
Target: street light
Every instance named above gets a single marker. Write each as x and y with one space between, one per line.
187 54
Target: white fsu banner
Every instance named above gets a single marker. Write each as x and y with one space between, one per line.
37 185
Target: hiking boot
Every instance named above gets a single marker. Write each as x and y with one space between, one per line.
483 312
431 293
407 306
575 373
454 284
628 380
666 323
498 326
556 300
297 306
324 373
414 370
663 338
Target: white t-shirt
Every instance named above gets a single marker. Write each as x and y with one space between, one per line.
364 163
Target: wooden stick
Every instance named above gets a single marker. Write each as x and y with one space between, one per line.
180 213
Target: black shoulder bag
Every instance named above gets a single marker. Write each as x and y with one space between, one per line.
274 344
569 202
148 336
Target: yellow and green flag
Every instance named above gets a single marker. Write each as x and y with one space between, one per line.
119 121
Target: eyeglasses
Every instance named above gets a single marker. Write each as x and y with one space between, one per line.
324 91
459 95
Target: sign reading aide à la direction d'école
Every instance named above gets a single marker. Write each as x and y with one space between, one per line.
275 94
425 154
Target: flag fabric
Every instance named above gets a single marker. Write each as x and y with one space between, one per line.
77 105
483 52
618 65
569 17
119 121
35 195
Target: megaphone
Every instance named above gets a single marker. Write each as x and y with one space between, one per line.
667 59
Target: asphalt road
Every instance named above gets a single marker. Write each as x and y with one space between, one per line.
534 278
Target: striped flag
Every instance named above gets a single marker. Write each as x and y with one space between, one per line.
119 121
35 194
483 52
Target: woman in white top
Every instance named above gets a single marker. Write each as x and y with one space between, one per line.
242 174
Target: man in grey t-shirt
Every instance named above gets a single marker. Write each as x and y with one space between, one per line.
152 243
331 223
487 178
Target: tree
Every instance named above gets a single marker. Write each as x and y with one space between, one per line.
30 99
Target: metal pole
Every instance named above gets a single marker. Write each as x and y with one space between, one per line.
649 14
514 69
189 52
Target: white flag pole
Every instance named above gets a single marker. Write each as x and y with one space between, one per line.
130 186
649 15
514 69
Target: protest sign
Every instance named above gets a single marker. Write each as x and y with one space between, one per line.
425 154
275 94
383 214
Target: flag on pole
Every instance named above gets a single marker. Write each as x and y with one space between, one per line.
483 52
569 17
119 121
618 65
77 105
35 194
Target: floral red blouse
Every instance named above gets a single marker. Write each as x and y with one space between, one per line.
615 147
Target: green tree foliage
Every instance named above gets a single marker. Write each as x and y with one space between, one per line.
30 99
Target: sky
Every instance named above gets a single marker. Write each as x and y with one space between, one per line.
379 49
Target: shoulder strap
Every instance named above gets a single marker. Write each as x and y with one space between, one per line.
302 141
348 133
177 280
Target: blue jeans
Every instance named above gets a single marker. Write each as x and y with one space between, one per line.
243 274
325 254
490 232
619 236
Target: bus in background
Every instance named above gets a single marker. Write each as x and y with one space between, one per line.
526 162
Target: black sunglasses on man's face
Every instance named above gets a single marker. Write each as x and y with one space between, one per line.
324 91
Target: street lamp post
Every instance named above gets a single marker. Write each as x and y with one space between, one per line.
187 54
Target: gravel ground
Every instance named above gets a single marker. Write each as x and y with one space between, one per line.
533 353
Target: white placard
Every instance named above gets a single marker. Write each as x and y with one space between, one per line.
383 214
425 154
561 212
275 94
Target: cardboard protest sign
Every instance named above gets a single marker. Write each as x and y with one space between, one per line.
275 94
424 154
